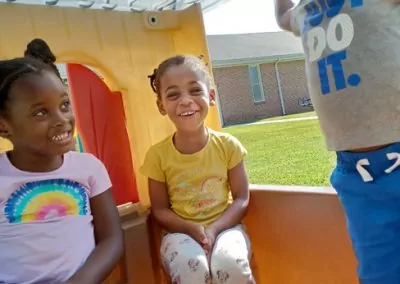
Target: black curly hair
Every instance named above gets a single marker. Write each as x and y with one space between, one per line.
195 62
38 58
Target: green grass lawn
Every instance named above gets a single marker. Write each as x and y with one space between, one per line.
290 153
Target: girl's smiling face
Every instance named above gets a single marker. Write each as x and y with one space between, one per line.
185 97
38 116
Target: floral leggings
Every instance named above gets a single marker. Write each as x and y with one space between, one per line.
186 261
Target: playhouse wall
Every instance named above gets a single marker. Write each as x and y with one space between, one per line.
123 46
298 236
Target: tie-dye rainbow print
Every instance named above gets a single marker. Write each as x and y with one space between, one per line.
46 200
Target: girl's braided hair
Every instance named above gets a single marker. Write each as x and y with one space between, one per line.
38 57
39 50
194 62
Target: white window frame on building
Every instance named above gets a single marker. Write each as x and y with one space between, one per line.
256 83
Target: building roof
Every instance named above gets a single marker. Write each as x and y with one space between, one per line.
245 48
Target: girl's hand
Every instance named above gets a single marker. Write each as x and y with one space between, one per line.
211 234
197 232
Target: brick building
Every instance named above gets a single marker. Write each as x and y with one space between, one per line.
258 75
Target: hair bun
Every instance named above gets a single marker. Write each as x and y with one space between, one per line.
39 49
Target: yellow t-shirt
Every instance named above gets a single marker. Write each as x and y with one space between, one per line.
197 183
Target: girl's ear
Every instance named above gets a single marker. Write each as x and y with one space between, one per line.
161 107
212 97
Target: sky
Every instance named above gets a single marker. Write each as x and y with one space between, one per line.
255 16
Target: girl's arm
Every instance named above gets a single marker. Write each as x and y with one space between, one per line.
167 218
109 241
283 11
239 187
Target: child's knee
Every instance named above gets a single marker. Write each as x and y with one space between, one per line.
192 262
189 268
186 262
226 268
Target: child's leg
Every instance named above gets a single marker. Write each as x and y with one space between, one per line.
368 185
184 259
230 258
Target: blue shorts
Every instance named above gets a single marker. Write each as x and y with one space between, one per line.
368 186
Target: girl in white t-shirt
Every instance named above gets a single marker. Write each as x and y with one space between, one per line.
58 220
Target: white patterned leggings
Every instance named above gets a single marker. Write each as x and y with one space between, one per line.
186 262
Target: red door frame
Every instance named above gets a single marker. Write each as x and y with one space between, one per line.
101 125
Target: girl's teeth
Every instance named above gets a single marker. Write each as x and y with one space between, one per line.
60 137
187 113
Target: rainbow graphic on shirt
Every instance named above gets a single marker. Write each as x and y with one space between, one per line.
46 200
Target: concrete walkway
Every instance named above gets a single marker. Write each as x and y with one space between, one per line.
275 121
285 120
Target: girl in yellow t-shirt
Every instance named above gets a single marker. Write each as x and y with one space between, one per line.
192 176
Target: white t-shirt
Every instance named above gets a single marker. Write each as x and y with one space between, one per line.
46 230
